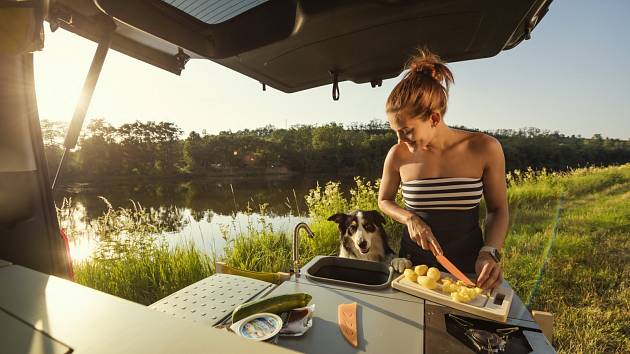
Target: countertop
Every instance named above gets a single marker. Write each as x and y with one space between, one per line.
388 320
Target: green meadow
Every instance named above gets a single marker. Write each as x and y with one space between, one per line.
576 224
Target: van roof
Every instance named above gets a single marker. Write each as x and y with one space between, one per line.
293 45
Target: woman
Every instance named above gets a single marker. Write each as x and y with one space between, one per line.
444 172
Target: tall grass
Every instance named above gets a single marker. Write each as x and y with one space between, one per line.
147 276
259 246
585 283
131 260
265 250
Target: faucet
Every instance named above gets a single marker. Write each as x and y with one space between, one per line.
296 245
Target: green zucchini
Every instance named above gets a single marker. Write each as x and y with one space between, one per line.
273 304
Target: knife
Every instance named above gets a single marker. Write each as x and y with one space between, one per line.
451 268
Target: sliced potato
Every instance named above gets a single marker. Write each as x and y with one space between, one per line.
447 280
449 287
470 292
461 283
465 294
460 297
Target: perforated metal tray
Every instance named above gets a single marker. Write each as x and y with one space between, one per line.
212 299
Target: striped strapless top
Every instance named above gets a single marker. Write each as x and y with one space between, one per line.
451 193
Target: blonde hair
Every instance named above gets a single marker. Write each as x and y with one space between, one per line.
424 88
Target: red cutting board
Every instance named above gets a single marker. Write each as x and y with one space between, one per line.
482 306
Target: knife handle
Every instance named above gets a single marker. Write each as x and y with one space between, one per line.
434 251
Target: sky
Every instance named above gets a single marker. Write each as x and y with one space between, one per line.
573 77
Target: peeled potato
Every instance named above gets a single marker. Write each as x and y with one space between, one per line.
433 273
410 275
421 269
427 282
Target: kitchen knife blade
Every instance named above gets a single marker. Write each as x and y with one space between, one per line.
451 268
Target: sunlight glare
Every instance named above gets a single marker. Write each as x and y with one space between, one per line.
82 250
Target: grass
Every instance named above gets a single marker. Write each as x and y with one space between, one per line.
148 276
585 281
131 261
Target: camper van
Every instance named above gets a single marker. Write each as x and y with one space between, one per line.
288 45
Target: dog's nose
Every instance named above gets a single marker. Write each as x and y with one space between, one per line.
363 244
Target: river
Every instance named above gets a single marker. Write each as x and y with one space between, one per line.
203 211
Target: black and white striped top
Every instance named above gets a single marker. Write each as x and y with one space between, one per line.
452 193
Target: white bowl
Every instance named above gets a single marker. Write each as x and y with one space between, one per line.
259 326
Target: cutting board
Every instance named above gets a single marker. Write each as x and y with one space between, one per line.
482 305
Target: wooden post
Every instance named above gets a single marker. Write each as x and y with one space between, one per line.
219 267
278 277
545 321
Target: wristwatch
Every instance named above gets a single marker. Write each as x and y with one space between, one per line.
494 253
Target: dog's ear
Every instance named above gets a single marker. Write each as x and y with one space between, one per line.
377 217
339 218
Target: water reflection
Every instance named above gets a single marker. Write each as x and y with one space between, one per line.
285 195
203 211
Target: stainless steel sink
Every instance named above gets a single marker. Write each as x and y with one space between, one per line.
350 272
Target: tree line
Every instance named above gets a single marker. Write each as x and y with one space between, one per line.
157 149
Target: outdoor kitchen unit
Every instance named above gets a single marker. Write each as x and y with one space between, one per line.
388 320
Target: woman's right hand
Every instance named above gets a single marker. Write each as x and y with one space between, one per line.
421 233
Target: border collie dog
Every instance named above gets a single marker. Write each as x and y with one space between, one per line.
362 236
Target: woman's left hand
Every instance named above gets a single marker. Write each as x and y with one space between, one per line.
489 273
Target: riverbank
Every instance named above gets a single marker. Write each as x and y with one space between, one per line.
232 173
584 284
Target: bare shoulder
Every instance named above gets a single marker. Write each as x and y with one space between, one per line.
398 148
396 153
485 144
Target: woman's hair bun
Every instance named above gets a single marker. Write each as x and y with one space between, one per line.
424 87
427 63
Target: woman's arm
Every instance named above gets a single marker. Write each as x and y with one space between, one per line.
497 214
389 186
495 195
419 231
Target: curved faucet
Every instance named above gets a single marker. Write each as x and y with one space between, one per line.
296 245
